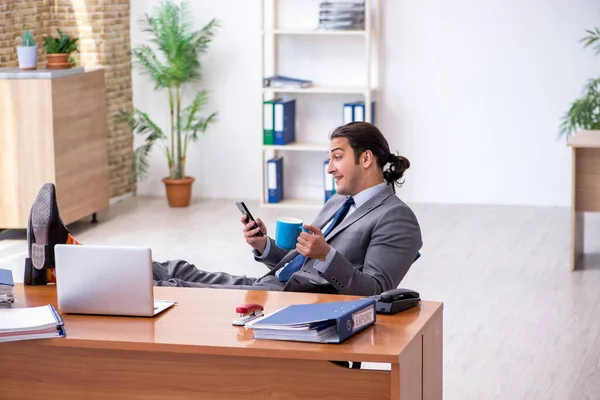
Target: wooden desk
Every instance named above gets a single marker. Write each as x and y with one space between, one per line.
585 190
193 352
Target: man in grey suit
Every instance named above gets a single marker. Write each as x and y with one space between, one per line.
362 242
366 250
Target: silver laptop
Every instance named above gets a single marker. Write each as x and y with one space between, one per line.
106 280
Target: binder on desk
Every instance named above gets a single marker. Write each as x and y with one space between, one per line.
30 323
285 121
6 287
328 182
321 322
275 180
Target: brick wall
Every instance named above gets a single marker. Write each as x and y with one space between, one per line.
103 30
7 54
34 15
14 16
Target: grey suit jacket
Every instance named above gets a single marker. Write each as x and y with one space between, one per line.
375 247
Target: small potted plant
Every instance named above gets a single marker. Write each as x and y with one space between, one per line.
58 50
28 52
584 112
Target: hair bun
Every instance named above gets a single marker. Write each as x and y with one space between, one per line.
404 163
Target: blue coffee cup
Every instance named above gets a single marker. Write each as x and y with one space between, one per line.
287 231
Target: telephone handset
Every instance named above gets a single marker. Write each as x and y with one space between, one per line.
396 300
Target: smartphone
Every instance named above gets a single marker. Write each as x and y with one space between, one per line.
244 210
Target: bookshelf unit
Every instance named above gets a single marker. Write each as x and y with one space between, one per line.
365 88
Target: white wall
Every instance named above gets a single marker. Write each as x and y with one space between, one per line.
472 93
224 161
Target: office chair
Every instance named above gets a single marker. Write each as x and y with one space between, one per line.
357 364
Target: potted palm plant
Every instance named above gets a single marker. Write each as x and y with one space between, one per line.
58 50
584 112
173 65
28 52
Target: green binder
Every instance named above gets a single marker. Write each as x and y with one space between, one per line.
269 122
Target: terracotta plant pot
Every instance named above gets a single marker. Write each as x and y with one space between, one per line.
58 61
179 191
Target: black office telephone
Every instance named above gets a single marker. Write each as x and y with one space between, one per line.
396 300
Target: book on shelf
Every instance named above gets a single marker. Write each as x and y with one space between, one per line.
331 322
30 323
280 81
325 24
342 15
6 287
342 5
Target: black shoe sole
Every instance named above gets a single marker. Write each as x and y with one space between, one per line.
41 215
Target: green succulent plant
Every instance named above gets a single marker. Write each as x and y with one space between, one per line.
28 40
61 45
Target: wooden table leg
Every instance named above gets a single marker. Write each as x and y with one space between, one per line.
419 373
433 358
577 225
584 186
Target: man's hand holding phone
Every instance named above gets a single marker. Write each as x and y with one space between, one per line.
251 232
255 231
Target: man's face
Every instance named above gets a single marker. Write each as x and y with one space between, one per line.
343 167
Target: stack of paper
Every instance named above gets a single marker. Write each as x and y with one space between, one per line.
342 15
30 323
321 322
6 287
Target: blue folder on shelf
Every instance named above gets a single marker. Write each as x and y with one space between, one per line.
284 121
355 112
275 180
328 182
321 322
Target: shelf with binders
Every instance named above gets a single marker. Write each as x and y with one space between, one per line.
299 146
296 203
284 185
285 189
323 32
322 89
330 73
287 124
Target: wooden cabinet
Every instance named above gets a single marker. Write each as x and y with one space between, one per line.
53 128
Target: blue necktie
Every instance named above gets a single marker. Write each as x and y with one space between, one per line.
296 263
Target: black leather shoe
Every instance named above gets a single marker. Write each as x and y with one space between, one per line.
45 229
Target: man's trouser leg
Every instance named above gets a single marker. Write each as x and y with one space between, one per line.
182 273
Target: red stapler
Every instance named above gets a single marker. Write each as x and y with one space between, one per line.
248 312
